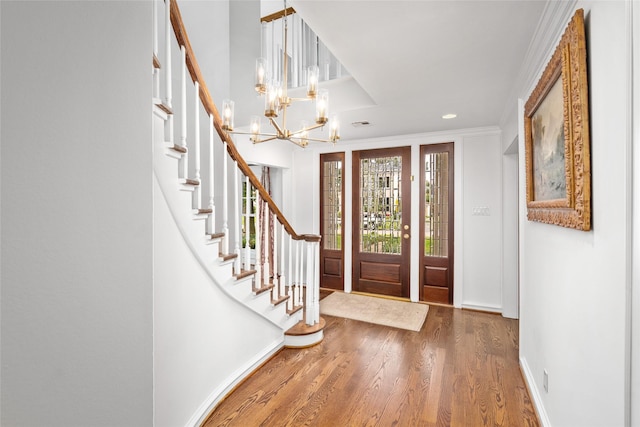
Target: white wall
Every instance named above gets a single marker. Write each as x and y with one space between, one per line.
0 222
477 158
306 215
510 258
573 283
208 26
76 219
245 36
482 242
635 302
273 153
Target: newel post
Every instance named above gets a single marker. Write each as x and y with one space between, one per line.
312 300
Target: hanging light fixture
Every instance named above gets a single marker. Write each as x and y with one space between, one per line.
277 101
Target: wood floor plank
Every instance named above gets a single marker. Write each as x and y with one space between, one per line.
461 369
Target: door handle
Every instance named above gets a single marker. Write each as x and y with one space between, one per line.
406 235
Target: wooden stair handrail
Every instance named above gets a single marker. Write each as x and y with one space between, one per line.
210 107
279 14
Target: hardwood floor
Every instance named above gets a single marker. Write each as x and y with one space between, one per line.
461 369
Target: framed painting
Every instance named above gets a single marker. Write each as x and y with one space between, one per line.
556 121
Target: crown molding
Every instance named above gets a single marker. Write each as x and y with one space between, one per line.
553 21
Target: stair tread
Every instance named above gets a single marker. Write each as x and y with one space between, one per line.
279 300
263 289
227 257
244 273
215 235
179 148
190 181
166 109
156 62
204 211
294 310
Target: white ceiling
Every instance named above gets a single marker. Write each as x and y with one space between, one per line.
418 60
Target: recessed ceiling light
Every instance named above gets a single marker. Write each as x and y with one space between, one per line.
449 116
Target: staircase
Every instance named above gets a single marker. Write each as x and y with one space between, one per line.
282 285
218 315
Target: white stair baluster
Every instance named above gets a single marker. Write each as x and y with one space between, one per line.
225 201
247 224
236 216
276 287
198 192
290 292
298 272
168 76
154 7
156 72
184 162
167 54
258 249
309 306
260 242
282 280
267 244
212 216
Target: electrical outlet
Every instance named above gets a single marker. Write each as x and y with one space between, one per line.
545 381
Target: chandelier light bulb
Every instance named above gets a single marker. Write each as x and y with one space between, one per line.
304 134
322 106
282 100
272 101
312 81
227 115
254 127
261 75
335 129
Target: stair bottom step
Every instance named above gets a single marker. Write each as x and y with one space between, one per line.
302 335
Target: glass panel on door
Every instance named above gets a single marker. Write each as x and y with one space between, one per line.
381 205
331 209
332 205
381 234
436 211
436 197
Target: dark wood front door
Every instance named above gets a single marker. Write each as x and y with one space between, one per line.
331 207
436 225
381 221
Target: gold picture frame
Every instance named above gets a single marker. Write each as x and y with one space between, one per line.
556 125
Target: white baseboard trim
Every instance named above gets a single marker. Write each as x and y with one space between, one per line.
480 307
535 393
233 380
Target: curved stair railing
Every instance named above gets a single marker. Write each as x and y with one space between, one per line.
293 280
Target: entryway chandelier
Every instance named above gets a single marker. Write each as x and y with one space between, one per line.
277 101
